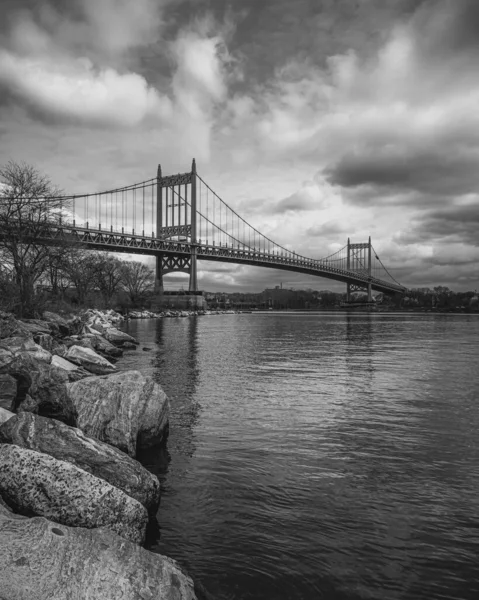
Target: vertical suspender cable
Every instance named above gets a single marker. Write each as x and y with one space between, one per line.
134 210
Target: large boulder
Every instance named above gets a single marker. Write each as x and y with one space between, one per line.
89 360
46 561
36 326
74 372
19 345
45 384
103 346
33 483
9 327
115 336
8 391
58 321
95 342
72 445
5 415
125 409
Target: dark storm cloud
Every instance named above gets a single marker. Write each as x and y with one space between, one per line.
458 223
453 30
272 32
449 172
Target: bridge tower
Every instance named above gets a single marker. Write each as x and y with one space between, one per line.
176 220
359 260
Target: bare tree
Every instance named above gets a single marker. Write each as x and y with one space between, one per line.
137 279
30 208
80 269
107 275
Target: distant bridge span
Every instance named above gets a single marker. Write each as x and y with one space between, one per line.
179 219
181 251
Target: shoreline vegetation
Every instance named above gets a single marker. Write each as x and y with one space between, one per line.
74 501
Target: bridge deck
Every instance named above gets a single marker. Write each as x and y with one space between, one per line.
139 244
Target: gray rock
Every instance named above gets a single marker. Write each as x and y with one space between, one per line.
6 357
59 348
46 384
5 415
19 345
128 346
99 344
8 391
36 326
45 341
72 445
37 484
89 360
59 322
42 560
83 342
103 346
9 327
125 410
74 372
115 336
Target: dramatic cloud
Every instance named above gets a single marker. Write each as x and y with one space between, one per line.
315 121
76 91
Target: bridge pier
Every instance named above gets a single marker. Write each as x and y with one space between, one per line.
193 287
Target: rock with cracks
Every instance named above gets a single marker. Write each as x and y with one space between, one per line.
19 345
33 483
44 383
45 561
74 372
125 410
89 360
72 445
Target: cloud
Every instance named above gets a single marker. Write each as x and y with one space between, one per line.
76 91
103 30
69 67
433 172
314 121
447 226
309 197
330 228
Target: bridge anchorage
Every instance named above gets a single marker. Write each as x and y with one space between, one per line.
179 219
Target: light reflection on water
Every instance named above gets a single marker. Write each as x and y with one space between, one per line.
315 456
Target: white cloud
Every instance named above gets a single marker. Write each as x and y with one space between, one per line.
74 89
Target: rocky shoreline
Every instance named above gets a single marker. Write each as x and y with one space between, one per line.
74 501
146 314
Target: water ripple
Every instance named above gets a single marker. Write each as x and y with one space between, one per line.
319 455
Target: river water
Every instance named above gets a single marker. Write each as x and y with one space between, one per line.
319 455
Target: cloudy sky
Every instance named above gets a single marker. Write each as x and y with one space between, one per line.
314 119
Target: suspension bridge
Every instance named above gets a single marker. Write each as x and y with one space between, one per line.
179 219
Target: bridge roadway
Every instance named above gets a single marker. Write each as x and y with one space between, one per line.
139 244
